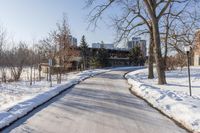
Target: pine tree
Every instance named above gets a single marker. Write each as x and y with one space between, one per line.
103 56
136 57
100 58
84 52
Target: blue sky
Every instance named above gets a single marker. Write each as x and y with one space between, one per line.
30 20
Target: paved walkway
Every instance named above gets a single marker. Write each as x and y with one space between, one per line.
102 104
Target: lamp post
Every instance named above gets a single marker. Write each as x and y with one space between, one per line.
187 50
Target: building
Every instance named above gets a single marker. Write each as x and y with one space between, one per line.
117 57
96 45
197 49
73 40
102 45
137 41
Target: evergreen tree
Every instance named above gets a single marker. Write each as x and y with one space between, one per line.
102 57
136 57
94 62
84 52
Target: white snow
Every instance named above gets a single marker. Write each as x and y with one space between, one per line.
19 98
172 99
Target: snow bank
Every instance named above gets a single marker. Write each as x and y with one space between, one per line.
179 106
22 108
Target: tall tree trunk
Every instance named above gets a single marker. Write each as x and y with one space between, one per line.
31 76
47 74
83 62
39 70
150 59
158 55
166 46
34 74
165 55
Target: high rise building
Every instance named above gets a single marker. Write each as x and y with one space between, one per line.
137 41
102 45
73 40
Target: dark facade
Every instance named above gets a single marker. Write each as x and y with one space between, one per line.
116 57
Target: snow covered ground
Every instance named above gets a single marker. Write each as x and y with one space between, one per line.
102 104
15 92
18 98
172 99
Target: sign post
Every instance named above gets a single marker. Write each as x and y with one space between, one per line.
187 50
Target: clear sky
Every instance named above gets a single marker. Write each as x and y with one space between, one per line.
30 20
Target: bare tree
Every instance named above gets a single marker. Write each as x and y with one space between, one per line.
3 42
18 58
58 46
62 38
65 49
126 26
156 10
182 33
151 10
40 55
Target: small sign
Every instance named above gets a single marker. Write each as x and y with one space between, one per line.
50 62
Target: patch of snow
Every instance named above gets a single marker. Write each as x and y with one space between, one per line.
22 98
172 99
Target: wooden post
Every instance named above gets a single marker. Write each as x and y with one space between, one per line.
34 74
47 74
39 68
50 76
31 76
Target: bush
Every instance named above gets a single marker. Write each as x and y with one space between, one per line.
179 60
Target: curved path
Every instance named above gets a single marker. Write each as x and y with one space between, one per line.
102 104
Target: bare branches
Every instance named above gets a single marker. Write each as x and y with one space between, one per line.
183 31
58 45
164 8
139 15
97 11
